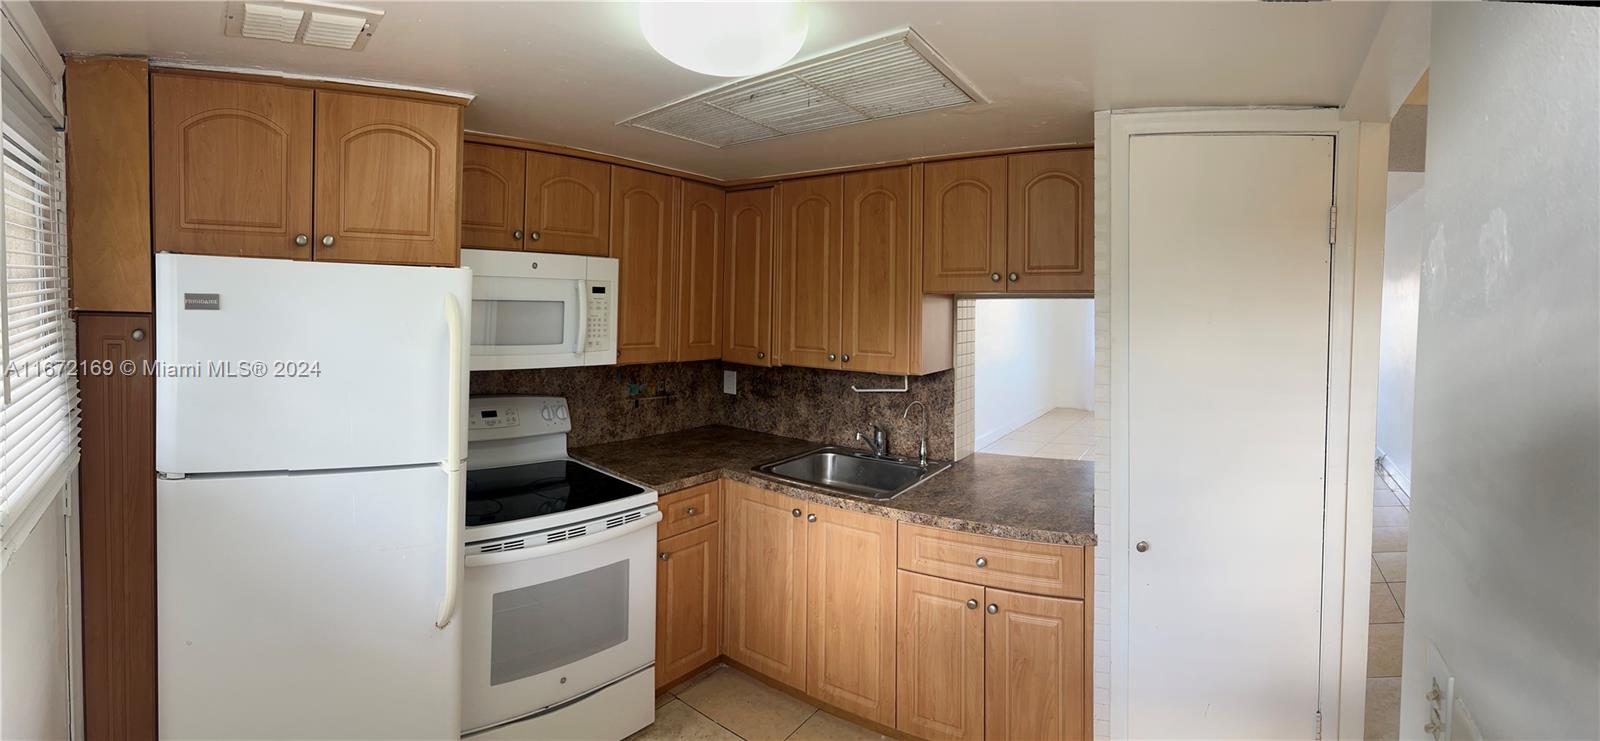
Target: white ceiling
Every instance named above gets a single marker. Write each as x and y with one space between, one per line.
567 72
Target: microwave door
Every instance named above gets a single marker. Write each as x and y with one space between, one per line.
526 323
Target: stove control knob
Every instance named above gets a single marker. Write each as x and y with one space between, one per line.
561 412
547 414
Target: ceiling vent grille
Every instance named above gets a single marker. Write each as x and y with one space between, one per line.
894 75
302 21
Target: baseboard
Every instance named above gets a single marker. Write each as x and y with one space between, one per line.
1389 469
988 438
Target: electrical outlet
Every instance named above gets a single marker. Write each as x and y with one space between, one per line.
1440 696
730 382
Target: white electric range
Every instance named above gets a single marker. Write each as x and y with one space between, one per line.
558 605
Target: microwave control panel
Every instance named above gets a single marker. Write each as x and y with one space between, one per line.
597 336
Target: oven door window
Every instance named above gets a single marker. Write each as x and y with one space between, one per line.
519 323
545 626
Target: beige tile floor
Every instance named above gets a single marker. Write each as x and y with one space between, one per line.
1058 433
1391 518
727 704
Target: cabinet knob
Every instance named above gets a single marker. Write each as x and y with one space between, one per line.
982 562
137 335
301 240
664 556
534 236
832 356
972 604
1013 277
761 356
691 511
811 518
795 512
994 277
993 608
327 240
516 234
845 357
1142 546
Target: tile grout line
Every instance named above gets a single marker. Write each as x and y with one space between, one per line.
803 723
713 720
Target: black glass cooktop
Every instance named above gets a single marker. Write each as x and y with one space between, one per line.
509 493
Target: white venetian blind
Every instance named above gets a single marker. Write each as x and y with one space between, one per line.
38 392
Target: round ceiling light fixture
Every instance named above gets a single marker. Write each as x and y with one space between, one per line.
725 39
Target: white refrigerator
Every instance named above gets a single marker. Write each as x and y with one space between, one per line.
309 423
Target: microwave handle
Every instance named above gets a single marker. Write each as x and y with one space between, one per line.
455 476
583 317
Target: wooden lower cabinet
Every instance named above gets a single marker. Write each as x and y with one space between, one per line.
688 602
941 669
850 616
764 621
1036 675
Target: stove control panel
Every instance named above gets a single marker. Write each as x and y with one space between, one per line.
502 417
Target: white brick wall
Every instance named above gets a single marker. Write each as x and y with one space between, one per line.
1102 428
966 423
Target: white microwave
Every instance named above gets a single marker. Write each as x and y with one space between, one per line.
541 310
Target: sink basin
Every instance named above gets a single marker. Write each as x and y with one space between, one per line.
853 472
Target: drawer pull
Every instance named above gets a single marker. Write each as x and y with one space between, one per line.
982 562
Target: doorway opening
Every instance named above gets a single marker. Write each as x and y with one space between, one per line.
1033 380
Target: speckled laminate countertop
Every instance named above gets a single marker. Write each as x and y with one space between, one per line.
1037 499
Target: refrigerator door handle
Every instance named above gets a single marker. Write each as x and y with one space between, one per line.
583 318
454 474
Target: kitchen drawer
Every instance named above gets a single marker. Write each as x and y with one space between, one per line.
1035 568
687 509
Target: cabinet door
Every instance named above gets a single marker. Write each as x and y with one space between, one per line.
688 602
747 278
569 206
941 668
642 210
1036 676
810 233
388 180
878 278
231 167
1051 244
964 226
492 181
699 266
850 587
764 625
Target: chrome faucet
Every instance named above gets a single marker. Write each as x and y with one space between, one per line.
922 444
878 440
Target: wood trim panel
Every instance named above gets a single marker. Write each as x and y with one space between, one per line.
765 180
1036 568
687 509
493 181
698 308
117 529
231 162
764 614
1050 243
880 299
333 85
108 202
688 603
964 226
941 658
529 145
850 621
747 278
1034 684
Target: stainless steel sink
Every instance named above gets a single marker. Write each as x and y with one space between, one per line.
853 472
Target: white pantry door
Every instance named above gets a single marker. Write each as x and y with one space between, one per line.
1228 389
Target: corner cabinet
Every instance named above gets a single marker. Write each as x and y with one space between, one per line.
747 278
1022 223
388 178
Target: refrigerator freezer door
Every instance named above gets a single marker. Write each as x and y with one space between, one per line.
283 365
303 606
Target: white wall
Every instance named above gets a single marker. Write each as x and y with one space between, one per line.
1032 355
1505 525
34 628
1404 236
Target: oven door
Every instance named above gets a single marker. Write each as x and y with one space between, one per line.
546 623
527 322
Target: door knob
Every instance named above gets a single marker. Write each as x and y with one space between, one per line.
533 236
993 608
327 240
301 240
811 518
795 512
516 234
994 277
1142 546
982 562
972 604
1013 277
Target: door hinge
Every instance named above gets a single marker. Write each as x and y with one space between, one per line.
1316 726
1333 223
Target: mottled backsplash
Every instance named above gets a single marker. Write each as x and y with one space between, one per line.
796 402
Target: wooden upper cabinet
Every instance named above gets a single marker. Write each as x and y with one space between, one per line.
964 226
1036 675
388 175
879 293
1051 238
699 266
941 662
810 236
492 182
643 207
569 204
747 281
231 166
688 602
764 619
850 624
108 165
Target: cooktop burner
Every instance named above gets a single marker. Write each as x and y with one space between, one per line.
508 493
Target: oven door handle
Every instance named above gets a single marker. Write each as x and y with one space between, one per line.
583 541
